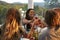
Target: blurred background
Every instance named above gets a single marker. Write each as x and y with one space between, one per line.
40 6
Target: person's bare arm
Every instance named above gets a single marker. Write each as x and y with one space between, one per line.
25 21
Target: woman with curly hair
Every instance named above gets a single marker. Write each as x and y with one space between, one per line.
12 28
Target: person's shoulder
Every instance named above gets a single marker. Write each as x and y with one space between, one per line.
58 31
44 34
44 30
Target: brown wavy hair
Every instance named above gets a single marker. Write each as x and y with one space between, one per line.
12 25
52 17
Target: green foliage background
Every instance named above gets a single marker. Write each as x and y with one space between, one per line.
5 6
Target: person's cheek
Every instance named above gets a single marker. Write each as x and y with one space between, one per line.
31 15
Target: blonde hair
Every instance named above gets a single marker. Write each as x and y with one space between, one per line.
12 24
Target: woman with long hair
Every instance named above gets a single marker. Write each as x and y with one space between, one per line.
52 18
32 22
29 17
12 28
